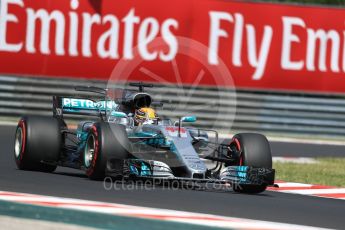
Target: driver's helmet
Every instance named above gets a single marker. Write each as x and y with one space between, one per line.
145 116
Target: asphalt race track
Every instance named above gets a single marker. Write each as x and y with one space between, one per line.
306 150
270 206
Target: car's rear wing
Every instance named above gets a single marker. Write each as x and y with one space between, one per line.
81 106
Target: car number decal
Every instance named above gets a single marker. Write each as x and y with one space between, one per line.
173 131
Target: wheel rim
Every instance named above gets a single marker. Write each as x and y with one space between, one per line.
89 151
18 142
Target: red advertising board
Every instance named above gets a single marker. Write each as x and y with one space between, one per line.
258 45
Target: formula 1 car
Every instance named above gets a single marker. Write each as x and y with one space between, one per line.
112 145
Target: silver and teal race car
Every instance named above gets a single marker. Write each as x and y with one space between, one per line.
108 143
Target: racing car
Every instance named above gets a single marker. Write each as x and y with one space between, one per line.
109 143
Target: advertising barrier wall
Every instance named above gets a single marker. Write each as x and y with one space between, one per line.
259 45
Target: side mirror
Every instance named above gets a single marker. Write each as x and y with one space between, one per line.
118 114
188 119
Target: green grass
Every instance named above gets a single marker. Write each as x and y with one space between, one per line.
328 171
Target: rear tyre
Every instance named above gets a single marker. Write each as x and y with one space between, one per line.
37 140
255 151
104 144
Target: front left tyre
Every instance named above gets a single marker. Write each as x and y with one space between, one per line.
254 151
38 143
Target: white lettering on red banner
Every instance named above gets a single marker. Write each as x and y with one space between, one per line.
263 45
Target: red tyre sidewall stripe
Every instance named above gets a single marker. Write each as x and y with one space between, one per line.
23 127
238 146
95 156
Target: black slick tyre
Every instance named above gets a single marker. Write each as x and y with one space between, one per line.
105 142
255 151
37 143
